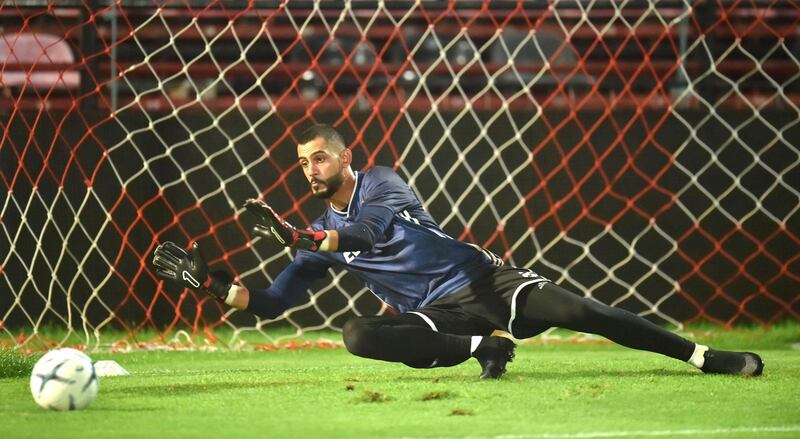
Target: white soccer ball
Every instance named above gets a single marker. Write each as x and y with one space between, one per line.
64 379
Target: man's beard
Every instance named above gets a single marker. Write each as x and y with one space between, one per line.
331 185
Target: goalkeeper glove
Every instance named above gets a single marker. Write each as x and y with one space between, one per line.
271 225
173 264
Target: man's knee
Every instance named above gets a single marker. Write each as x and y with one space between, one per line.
373 336
358 336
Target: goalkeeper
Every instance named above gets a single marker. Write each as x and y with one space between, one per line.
449 295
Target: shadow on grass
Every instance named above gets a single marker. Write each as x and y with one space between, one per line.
180 389
542 375
125 409
561 375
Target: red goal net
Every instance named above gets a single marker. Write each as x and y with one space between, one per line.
641 153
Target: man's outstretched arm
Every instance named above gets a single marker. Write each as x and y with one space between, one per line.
189 270
289 288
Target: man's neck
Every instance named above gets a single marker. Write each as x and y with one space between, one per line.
341 198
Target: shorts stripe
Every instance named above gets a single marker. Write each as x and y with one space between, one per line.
426 318
514 301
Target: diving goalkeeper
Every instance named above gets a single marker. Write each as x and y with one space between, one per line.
449 295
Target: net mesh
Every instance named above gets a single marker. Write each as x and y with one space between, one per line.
641 154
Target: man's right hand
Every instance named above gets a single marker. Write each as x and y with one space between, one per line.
173 264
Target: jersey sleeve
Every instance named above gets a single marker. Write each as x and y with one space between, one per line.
372 222
289 287
383 195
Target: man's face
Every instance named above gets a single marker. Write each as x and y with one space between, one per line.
322 168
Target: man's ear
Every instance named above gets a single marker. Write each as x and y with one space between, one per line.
346 156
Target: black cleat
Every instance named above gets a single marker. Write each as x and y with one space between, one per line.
493 353
734 363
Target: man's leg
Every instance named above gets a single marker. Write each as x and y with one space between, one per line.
409 339
554 306
404 338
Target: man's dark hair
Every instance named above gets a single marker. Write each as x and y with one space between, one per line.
333 140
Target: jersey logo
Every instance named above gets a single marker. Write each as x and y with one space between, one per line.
350 256
404 214
530 274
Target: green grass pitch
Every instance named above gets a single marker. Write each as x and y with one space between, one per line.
550 391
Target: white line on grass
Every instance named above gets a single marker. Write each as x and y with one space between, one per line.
636 433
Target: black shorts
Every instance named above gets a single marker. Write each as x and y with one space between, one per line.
485 305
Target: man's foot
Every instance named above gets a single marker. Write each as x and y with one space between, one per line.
493 353
735 363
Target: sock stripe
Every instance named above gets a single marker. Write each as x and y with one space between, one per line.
698 359
474 342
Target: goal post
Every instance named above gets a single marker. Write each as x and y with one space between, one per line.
644 154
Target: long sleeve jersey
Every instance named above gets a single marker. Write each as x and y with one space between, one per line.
411 264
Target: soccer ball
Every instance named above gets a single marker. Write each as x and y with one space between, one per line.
64 379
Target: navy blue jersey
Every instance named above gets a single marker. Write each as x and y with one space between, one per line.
412 263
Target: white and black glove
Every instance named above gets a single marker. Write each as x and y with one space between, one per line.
173 264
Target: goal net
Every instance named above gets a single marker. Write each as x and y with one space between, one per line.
644 154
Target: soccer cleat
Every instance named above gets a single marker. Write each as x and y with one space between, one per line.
734 363
493 353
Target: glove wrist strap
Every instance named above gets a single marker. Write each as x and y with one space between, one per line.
313 240
216 288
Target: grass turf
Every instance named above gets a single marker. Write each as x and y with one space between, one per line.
551 391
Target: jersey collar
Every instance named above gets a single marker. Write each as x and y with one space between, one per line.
352 197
